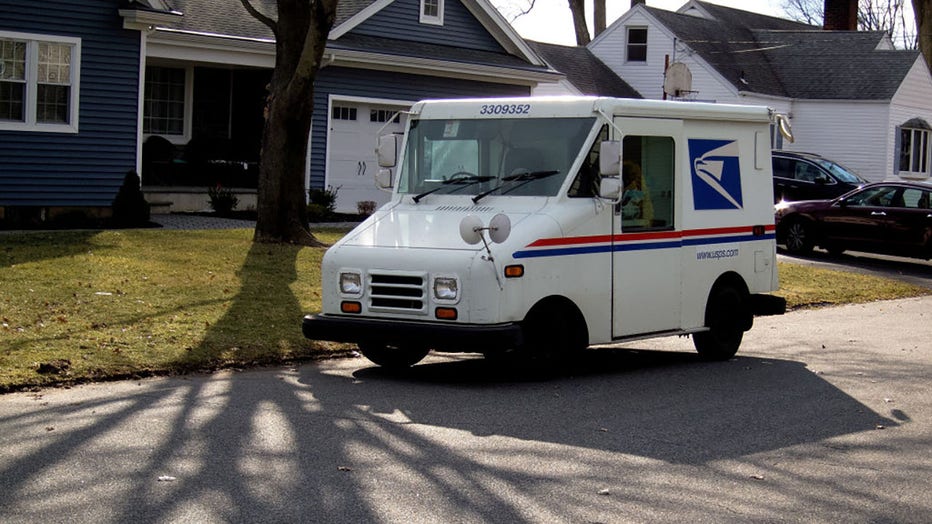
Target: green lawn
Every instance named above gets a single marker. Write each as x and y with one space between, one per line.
89 305
130 302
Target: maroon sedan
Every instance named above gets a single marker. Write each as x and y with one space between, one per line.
893 218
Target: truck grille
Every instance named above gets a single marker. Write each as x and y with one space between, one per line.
400 293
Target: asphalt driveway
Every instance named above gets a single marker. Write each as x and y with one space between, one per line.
824 416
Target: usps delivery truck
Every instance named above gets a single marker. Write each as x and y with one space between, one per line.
541 226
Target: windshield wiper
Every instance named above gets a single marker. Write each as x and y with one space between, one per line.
463 182
524 178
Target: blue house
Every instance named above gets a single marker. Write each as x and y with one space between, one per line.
175 89
69 102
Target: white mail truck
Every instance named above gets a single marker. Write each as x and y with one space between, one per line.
541 226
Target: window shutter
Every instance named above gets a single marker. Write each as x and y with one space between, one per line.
897 144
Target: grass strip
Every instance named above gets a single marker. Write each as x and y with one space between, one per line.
95 305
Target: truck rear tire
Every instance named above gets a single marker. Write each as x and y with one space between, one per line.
726 317
391 356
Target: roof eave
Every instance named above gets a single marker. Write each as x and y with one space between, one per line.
418 65
146 19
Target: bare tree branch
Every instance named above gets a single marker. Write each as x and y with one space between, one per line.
272 24
873 15
807 11
523 12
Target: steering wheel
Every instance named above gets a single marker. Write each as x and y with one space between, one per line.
459 175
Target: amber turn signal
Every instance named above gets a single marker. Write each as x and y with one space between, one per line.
516 271
445 313
351 307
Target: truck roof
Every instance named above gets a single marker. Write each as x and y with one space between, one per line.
583 106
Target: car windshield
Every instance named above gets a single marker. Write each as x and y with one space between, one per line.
514 157
841 173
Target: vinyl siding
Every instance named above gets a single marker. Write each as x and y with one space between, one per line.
385 86
400 20
912 100
851 133
86 168
561 88
647 77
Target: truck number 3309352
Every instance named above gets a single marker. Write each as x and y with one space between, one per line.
505 109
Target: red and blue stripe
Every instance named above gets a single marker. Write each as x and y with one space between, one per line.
582 245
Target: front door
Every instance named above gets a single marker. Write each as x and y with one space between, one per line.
646 263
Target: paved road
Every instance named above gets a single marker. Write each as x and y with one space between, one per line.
825 416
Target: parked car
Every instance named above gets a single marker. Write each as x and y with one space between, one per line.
893 218
807 176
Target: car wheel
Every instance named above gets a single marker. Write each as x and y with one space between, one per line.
392 356
726 316
798 236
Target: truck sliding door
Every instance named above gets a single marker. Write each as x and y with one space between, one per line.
646 261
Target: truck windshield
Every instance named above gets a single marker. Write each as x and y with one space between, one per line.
514 157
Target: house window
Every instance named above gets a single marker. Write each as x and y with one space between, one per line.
165 101
914 151
383 115
343 113
39 82
432 12
637 44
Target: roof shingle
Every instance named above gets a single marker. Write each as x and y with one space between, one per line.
773 56
584 70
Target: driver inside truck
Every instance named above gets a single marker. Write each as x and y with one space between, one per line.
636 207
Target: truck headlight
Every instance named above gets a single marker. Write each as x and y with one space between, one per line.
446 288
351 283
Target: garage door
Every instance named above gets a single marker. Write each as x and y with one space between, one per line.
352 164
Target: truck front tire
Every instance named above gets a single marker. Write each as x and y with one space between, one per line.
393 357
553 332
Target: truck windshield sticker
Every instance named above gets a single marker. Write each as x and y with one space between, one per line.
451 129
716 174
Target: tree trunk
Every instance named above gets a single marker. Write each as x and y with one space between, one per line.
923 11
281 203
301 32
578 8
598 17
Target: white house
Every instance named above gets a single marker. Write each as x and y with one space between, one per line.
850 95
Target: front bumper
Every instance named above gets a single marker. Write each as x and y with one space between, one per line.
435 335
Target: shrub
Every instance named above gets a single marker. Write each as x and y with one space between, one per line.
365 207
322 204
222 200
130 208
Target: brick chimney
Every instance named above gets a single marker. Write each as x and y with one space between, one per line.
841 15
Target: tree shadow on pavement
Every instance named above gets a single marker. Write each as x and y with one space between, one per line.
454 438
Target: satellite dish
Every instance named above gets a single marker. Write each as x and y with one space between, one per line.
499 228
678 80
471 229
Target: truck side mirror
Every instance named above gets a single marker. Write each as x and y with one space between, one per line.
610 158
610 188
383 179
387 150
